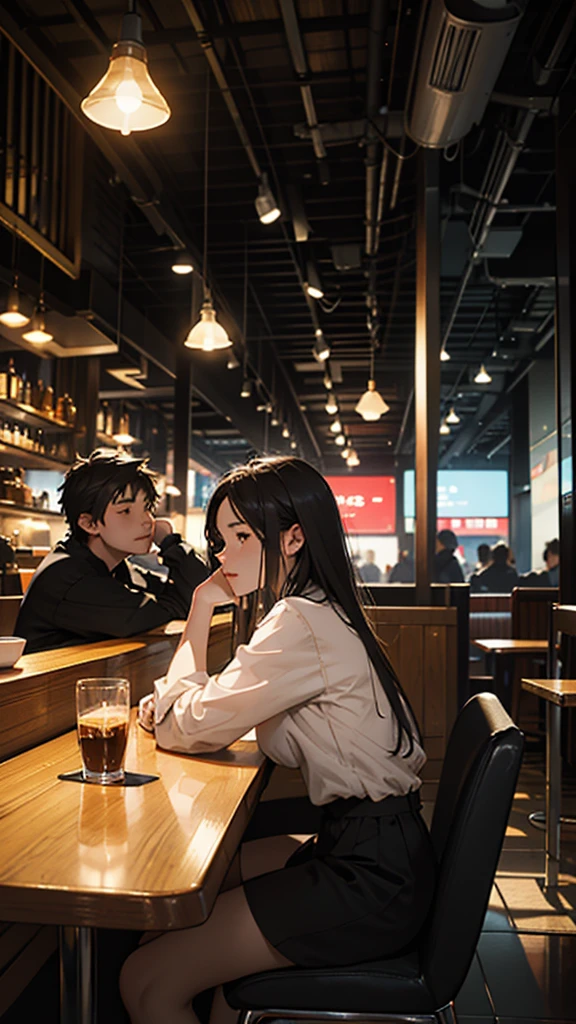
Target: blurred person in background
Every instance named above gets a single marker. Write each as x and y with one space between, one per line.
447 568
498 577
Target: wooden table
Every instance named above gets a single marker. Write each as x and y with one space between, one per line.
500 658
149 857
558 694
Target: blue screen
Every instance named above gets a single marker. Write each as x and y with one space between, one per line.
464 492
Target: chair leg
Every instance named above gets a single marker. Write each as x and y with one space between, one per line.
447 1015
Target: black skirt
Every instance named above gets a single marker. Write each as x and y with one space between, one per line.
360 890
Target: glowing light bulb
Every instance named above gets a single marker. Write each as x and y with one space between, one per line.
129 96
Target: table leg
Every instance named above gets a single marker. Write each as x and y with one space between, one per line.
553 793
77 976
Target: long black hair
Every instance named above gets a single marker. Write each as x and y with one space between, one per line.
271 495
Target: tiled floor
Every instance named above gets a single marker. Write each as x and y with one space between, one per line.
524 971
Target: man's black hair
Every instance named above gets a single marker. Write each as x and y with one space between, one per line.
91 484
552 548
448 540
484 553
500 553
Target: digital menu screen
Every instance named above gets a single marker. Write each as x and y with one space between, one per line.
367 503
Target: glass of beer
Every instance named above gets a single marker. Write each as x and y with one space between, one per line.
103 715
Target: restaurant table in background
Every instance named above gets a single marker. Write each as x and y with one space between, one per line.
150 857
500 656
558 694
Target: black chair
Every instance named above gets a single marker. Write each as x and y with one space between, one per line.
474 798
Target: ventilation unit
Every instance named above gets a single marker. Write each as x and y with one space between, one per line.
464 45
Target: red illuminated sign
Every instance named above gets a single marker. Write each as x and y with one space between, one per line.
367 503
472 526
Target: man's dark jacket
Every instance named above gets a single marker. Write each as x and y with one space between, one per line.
73 598
494 579
447 568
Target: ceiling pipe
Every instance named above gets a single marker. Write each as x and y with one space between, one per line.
376 31
298 55
498 174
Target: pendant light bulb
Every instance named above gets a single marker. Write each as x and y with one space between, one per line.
340 440
126 99
293 445
123 437
233 362
274 422
352 461
452 416
246 388
482 377
372 406
346 452
207 335
285 432
12 316
331 405
336 427
327 382
37 333
444 356
266 206
444 428
182 263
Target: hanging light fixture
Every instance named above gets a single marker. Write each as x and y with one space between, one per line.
346 452
336 427
274 422
266 206
327 381
331 404
207 335
444 428
293 445
340 440
126 99
123 437
172 491
352 461
482 377
37 333
371 406
246 382
444 356
246 388
12 315
313 284
452 416
182 264
233 362
285 432
321 348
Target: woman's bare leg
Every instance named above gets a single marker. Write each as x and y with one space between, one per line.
160 979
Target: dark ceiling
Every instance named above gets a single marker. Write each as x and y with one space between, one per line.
494 310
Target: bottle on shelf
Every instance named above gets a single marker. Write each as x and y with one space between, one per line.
4 383
27 395
109 422
13 382
37 394
21 385
16 435
60 407
48 401
100 419
69 411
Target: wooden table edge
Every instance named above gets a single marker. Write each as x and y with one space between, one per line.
563 700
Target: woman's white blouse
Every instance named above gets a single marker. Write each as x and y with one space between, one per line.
307 684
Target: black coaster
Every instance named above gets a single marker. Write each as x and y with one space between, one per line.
130 779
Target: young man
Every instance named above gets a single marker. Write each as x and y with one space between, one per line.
84 590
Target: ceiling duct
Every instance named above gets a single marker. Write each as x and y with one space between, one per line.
464 45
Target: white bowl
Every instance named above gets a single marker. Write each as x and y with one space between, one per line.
11 647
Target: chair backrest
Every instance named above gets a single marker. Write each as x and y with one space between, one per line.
472 807
9 608
530 607
562 642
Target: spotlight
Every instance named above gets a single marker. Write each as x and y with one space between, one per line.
313 284
266 206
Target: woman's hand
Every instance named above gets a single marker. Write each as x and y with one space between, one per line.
146 712
215 590
162 529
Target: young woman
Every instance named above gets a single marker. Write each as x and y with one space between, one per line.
317 684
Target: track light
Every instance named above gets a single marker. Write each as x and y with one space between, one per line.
444 428
444 356
331 405
266 206
313 284
12 316
207 335
372 406
182 264
452 416
336 427
327 382
340 440
274 422
321 348
126 99
352 461
246 388
233 362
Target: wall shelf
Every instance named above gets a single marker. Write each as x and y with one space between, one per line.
31 417
11 508
13 455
